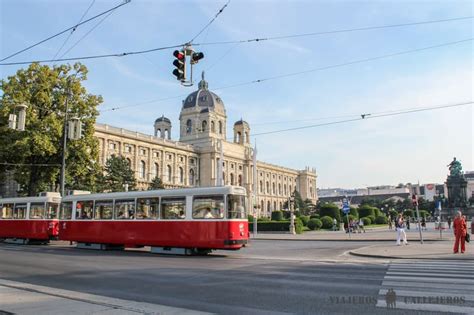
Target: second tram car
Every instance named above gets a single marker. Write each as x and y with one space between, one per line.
30 219
193 220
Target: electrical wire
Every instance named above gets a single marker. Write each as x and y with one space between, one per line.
22 164
66 30
73 30
210 22
306 71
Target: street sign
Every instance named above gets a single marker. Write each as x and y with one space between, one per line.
345 206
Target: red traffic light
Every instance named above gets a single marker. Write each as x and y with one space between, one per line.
178 54
195 57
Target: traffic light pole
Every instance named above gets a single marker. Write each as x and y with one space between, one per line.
63 157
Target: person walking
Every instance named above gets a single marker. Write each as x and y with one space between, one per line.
423 223
389 222
400 226
449 223
334 224
361 225
460 230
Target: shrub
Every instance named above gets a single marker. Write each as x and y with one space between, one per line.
314 216
367 221
377 212
315 224
298 226
277 215
330 210
424 213
280 226
366 210
408 213
372 218
263 219
351 217
354 212
381 219
327 222
393 214
304 219
250 218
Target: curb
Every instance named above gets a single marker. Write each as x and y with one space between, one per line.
409 258
338 240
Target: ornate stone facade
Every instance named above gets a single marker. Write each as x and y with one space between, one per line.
194 159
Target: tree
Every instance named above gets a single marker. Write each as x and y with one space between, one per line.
118 174
34 155
156 183
330 210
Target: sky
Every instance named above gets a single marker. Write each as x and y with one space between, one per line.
383 151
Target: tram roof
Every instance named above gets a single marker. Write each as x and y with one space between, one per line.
162 192
49 198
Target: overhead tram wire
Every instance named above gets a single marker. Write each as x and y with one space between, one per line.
216 43
210 22
66 30
74 29
308 71
348 30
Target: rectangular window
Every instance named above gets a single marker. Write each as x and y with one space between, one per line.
104 209
173 208
66 211
7 211
147 208
19 212
208 207
84 210
236 208
37 211
125 209
52 210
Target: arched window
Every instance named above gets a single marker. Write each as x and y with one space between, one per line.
167 134
268 187
240 180
247 140
204 126
169 173
261 186
275 206
232 179
142 170
213 126
223 178
129 162
284 189
262 209
154 170
191 177
238 136
181 175
189 126
269 207
273 189
281 206
220 127
279 189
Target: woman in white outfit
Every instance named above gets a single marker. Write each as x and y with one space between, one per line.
400 225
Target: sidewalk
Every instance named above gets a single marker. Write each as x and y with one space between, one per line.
415 250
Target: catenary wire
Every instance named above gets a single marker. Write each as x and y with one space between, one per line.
222 43
305 71
66 30
210 22
74 29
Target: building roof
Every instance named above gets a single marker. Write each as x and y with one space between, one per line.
163 118
241 122
203 98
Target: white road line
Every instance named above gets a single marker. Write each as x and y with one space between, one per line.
430 307
431 280
430 274
443 286
411 293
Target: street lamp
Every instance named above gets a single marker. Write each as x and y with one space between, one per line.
291 201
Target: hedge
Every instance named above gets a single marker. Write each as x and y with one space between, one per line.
328 222
277 226
367 221
304 219
277 215
381 219
372 218
330 210
351 217
315 224
366 210
408 213
314 216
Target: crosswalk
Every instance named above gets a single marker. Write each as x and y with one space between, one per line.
433 285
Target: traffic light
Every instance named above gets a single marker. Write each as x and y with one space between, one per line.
180 64
195 57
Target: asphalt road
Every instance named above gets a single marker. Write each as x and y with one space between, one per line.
269 277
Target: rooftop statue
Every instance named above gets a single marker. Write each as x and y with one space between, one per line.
455 168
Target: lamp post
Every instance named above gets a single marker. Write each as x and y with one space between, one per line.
291 201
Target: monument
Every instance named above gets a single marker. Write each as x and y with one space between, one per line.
457 184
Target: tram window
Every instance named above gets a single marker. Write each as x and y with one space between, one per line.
173 208
66 211
7 211
104 209
19 212
208 207
37 211
125 209
236 208
84 210
52 210
147 208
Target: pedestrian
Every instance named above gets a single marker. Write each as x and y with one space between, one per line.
334 224
400 226
423 223
408 223
361 225
460 231
449 223
389 222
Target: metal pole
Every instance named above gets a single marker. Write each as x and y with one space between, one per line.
419 225
292 220
255 189
63 158
348 226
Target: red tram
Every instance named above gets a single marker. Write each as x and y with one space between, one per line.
30 219
195 220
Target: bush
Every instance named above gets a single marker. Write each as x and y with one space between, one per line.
277 215
381 219
393 214
377 212
424 213
304 219
367 221
277 226
366 210
315 224
372 219
298 226
263 219
330 210
327 222
351 217
408 213
314 216
250 218
354 212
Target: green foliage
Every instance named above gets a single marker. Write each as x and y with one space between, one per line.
424 213
354 212
314 216
372 218
299 227
304 219
327 222
393 214
366 210
45 90
118 173
377 212
277 226
367 221
277 215
330 210
351 217
156 184
381 219
315 224
250 218
408 213
263 219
